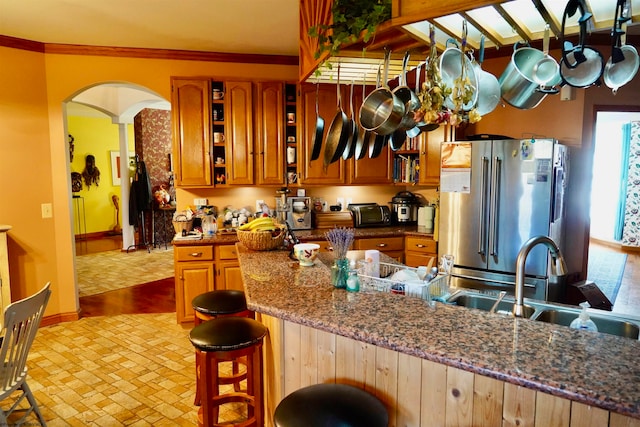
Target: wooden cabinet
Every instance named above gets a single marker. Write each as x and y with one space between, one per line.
270 133
239 132
391 246
228 271
420 251
194 275
313 172
419 159
190 107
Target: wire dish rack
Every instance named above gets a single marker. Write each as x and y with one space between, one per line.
435 290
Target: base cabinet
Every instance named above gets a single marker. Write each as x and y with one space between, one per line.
194 275
391 246
416 392
228 274
420 251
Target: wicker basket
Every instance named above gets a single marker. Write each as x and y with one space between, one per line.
261 240
183 225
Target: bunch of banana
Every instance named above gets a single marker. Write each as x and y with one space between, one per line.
260 224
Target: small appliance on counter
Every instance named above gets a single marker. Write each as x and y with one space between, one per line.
370 215
425 219
299 215
404 208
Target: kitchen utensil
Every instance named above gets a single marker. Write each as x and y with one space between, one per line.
455 64
581 66
365 137
318 133
382 111
488 86
407 96
415 130
623 64
338 131
517 86
379 141
352 140
546 69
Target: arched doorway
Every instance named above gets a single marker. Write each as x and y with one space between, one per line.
104 116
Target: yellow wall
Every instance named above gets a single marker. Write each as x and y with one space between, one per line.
99 137
34 166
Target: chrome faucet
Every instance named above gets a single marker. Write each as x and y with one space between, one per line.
558 267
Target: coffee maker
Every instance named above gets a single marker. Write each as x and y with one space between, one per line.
299 213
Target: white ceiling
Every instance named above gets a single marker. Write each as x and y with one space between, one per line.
230 26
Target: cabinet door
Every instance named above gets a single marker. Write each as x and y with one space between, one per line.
239 133
270 133
367 170
190 108
313 172
230 276
430 155
192 279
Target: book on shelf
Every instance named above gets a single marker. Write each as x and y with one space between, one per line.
406 169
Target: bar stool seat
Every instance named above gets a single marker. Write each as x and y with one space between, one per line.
227 339
324 405
219 303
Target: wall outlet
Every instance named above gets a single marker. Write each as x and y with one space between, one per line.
200 202
340 201
47 210
349 201
259 205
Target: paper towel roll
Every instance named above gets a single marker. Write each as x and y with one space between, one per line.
372 256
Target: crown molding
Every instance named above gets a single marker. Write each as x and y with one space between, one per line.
131 52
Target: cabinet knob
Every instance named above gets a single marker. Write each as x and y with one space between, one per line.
195 254
420 246
381 245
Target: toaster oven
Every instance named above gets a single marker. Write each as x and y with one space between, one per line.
370 215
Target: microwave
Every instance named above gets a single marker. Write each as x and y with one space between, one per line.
370 215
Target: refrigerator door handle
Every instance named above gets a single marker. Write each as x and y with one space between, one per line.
482 229
495 198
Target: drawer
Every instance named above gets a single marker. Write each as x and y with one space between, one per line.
193 253
383 244
420 244
226 252
416 259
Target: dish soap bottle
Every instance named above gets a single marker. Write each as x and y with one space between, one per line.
583 321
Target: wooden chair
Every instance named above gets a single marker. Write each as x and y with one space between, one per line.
21 322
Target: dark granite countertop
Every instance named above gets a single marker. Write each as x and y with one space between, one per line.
226 238
595 369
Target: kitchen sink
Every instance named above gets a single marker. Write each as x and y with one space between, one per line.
608 326
486 302
549 312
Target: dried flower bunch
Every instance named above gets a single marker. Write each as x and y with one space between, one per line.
341 239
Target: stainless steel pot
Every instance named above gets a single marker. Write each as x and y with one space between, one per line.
382 111
517 85
452 62
488 86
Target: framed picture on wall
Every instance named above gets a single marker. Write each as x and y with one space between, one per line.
115 165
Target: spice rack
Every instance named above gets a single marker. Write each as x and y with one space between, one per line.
291 146
217 133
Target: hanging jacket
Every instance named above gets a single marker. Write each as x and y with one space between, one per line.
140 196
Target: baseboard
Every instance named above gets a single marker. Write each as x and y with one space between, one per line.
97 235
60 318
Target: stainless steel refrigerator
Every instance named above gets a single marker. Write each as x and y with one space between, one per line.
494 196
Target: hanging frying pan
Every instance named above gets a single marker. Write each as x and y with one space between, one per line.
338 133
623 64
318 134
352 140
379 141
365 137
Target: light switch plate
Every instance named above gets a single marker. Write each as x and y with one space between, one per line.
47 210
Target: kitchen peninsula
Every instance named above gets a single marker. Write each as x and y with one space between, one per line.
435 366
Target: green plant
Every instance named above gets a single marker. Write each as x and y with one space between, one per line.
350 19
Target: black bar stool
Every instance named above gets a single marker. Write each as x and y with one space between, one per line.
324 405
227 339
220 303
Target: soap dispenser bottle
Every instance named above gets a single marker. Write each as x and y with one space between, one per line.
583 321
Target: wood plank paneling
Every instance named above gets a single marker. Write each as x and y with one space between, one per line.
519 407
434 394
552 411
409 390
588 416
618 420
488 396
387 380
272 355
308 356
459 398
326 357
291 361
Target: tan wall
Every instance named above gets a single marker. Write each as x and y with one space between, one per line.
34 167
